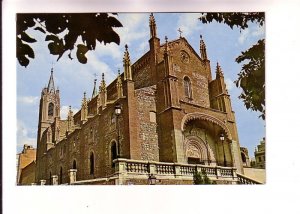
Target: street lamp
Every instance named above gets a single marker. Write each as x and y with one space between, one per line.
222 138
152 179
118 111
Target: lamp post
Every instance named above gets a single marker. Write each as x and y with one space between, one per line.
118 113
152 179
222 138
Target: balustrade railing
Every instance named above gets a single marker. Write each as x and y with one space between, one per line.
172 169
137 167
245 180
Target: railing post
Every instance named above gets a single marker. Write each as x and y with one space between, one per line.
120 171
218 171
152 168
54 180
177 170
72 175
42 182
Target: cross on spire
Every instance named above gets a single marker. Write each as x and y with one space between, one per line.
180 32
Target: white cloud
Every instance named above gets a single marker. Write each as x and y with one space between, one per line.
23 135
189 23
64 112
229 84
244 34
28 100
251 32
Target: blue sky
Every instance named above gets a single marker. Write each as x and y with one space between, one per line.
223 45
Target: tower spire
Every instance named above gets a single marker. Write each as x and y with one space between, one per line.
203 49
95 89
127 65
51 87
152 25
219 72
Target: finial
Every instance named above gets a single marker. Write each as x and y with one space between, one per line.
102 76
126 47
118 71
219 70
166 38
69 108
200 36
84 93
180 32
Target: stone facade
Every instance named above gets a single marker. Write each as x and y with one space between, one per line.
260 155
26 166
172 111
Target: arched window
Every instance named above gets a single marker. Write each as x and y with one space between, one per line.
60 175
50 178
50 109
243 157
74 164
92 164
114 152
187 87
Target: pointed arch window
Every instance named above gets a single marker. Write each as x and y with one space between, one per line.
74 164
50 109
114 152
60 175
50 178
92 164
187 87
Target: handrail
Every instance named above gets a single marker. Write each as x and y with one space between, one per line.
242 179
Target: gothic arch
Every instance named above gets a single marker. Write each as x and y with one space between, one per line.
205 117
187 84
195 147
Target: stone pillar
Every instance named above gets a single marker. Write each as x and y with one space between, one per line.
152 168
218 169
72 175
54 180
120 171
43 182
177 170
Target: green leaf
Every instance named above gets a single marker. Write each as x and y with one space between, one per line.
25 37
40 29
81 51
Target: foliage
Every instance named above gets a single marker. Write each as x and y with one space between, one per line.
62 32
201 178
251 78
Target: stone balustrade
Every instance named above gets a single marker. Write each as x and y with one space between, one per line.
242 179
136 169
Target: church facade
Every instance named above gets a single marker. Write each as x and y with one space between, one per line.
165 116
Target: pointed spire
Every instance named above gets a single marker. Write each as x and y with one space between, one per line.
166 45
103 84
203 49
95 89
51 87
119 85
152 25
84 108
70 119
219 72
127 65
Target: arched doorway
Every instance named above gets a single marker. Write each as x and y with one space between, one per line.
201 140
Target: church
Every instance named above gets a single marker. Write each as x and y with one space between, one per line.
165 117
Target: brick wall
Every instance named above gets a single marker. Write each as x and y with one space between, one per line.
147 136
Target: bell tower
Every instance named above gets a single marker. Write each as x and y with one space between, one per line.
49 108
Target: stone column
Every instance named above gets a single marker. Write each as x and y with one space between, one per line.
72 175
43 182
54 180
